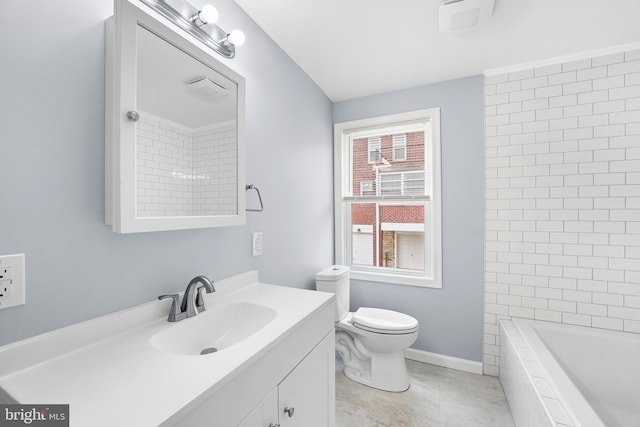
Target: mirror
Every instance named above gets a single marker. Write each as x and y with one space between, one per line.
174 148
186 134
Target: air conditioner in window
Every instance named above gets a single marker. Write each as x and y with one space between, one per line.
366 188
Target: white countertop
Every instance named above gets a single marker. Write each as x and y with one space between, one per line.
110 375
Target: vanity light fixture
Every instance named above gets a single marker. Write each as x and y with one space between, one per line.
236 38
207 15
200 23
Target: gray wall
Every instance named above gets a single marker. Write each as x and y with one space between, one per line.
450 318
52 174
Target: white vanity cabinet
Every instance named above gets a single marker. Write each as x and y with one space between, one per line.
265 414
297 372
305 398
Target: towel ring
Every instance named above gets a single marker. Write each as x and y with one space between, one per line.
253 187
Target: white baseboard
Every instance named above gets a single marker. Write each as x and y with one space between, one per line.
444 361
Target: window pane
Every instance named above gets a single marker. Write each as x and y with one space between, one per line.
373 149
363 238
402 183
390 183
392 164
400 147
413 183
388 235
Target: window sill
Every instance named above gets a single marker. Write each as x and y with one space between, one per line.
396 279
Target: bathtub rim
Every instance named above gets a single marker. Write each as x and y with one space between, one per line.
575 404
522 391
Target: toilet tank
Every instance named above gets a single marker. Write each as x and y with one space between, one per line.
335 279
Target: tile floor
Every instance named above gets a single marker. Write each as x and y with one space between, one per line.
438 397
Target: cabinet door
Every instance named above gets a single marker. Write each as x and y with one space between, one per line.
307 394
254 419
265 414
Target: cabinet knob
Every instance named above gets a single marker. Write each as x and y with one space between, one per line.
133 116
289 411
274 425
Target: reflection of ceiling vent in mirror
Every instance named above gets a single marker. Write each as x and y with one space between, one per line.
454 15
206 88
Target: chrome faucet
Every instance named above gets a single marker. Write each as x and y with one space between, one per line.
192 301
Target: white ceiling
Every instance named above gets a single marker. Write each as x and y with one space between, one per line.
354 48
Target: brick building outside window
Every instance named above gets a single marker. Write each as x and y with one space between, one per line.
388 165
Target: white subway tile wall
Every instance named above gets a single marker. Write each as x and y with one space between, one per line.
215 168
562 197
181 171
163 164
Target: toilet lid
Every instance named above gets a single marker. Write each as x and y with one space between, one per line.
385 321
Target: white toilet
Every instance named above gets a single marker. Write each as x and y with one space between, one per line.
370 341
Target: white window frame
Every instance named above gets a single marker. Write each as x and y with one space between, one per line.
345 131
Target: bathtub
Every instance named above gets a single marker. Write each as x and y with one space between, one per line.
564 375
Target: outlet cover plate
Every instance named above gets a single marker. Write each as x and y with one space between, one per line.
12 282
257 243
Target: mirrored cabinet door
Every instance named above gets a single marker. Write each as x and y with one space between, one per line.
174 138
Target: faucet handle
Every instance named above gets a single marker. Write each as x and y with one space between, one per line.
175 313
200 307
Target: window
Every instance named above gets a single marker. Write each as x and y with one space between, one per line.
387 176
400 147
402 183
374 149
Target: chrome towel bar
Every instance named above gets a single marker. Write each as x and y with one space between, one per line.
253 187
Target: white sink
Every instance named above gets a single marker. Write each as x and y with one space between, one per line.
213 330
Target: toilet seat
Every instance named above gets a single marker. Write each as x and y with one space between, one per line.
383 321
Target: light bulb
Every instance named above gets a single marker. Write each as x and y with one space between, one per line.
236 38
208 14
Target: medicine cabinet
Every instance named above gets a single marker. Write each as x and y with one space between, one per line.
174 149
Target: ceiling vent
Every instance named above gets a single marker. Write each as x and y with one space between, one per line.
205 87
454 15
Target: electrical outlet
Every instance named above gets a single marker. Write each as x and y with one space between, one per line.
257 243
12 280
